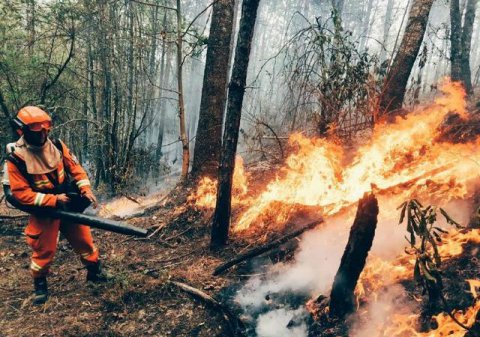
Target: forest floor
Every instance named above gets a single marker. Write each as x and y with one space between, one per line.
140 300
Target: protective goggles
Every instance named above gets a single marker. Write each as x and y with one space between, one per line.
47 125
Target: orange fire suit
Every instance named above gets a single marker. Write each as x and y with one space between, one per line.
42 232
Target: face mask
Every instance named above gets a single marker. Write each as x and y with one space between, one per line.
36 138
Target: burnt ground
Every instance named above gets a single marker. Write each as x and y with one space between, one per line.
141 301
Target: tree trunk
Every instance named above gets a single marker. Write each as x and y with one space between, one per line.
221 219
165 80
386 29
397 77
466 44
181 105
455 41
353 260
208 142
338 7
365 25
31 22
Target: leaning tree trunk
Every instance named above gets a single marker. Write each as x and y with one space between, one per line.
353 260
397 77
208 142
221 218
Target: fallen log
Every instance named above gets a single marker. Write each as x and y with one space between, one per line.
264 248
234 324
342 300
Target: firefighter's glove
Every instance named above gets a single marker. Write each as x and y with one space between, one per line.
90 196
62 199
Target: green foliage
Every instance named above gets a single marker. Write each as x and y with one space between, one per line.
74 58
329 75
423 239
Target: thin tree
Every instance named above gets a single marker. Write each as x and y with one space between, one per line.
221 218
181 104
386 28
208 141
461 41
397 78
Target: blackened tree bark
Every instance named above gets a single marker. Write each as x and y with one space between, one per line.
214 91
461 41
353 260
221 218
397 78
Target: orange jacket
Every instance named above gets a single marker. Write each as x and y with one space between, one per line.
38 194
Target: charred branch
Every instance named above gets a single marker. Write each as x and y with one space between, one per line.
264 248
354 256
234 324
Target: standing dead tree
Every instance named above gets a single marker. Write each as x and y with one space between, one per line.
353 260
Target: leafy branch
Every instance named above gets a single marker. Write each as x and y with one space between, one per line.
423 238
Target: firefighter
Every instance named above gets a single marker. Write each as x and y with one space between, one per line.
37 170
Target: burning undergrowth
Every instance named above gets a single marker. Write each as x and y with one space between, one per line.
411 158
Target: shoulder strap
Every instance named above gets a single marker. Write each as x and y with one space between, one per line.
21 166
58 144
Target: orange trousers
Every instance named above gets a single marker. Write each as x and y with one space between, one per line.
42 236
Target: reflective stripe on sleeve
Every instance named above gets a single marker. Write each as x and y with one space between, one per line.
39 199
83 182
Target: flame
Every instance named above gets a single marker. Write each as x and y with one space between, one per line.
404 325
404 155
379 273
404 158
206 193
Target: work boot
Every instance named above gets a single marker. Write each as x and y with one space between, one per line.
41 290
96 273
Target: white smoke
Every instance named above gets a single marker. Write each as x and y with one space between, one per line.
373 319
277 323
316 262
